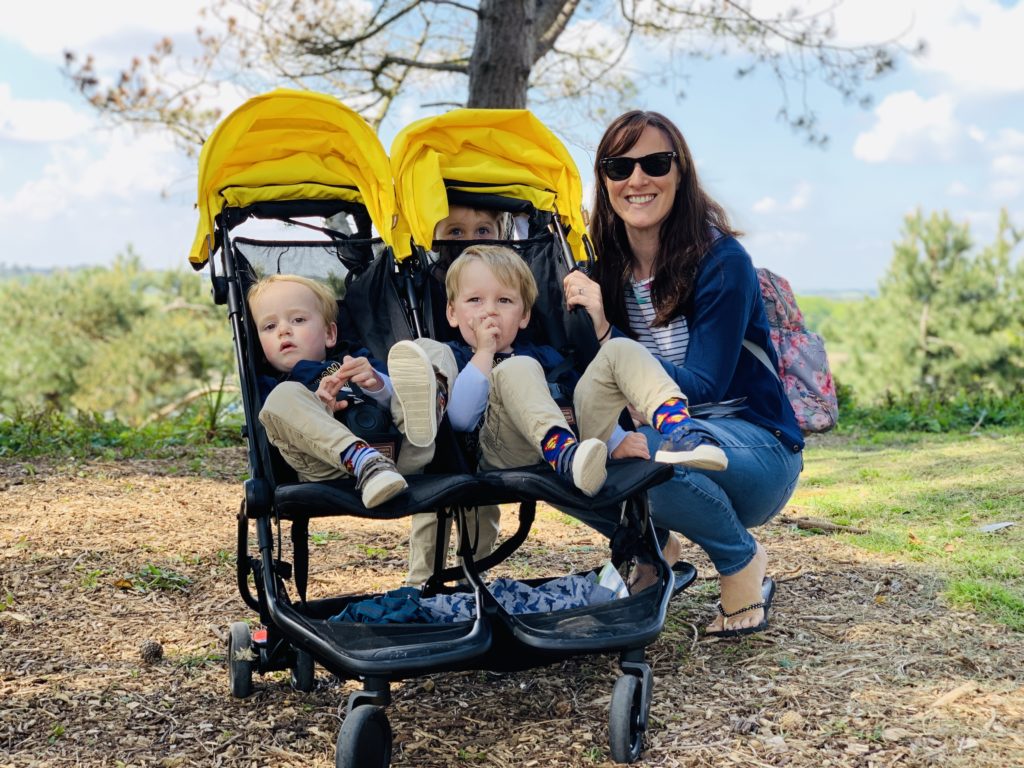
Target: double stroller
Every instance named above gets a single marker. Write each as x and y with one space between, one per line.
304 162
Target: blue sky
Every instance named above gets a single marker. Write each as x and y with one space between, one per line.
946 132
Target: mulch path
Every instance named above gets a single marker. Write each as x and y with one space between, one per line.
864 664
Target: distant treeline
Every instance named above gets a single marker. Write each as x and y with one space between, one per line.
946 325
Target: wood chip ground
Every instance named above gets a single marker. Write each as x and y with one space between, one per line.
864 664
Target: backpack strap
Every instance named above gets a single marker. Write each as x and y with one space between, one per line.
761 355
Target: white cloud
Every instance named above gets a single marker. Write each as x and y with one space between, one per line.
797 202
910 128
127 169
1008 140
38 120
970 43
1006 190
47 31
958 189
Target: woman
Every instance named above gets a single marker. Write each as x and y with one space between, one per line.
671 274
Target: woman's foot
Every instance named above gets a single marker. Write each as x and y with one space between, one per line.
645 574
738 590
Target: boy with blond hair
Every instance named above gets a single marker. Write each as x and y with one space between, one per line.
295 319
500 383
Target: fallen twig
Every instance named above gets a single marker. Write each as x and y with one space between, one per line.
813 523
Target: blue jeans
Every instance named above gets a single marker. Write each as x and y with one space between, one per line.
714 510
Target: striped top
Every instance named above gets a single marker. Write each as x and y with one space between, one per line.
670 341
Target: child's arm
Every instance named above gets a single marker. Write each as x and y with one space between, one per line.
468 399
359 371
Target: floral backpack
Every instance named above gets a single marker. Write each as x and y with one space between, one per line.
803 364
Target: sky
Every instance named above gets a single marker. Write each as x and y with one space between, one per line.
945 132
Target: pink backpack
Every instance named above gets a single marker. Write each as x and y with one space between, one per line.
803 363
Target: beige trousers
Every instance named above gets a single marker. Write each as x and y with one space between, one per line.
520 412
623 373
311 440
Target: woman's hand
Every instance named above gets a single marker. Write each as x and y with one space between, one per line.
633 446
581 291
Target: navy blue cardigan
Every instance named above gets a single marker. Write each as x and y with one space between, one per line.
727 308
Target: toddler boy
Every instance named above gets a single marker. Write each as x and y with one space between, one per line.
294 317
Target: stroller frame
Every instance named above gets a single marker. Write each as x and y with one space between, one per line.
296 632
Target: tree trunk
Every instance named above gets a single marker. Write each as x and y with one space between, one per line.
503 54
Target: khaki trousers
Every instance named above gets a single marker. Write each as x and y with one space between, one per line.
484 523
311 440
623 373
520 412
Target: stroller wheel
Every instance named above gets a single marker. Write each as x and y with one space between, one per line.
303 675
624 731
365 739
240 659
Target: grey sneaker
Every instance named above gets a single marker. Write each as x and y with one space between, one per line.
379 481
691 449
416 391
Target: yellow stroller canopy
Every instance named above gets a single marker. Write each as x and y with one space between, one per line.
292 145
506 152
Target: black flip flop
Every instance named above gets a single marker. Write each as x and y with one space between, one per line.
767 595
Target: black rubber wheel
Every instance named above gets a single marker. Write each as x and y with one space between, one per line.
365 739
624 734
240 659
303 673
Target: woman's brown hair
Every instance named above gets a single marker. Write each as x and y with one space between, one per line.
685 236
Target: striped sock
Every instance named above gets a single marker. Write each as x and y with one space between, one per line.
670 415
558 448
353 457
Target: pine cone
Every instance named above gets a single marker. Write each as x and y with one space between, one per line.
151 651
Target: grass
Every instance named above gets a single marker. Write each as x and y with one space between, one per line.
924 498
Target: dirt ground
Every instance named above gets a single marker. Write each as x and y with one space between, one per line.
864 664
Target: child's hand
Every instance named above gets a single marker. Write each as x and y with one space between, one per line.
633 446
359 370
328 390
486 331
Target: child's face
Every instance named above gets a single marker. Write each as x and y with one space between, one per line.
482 295
467 224
290 325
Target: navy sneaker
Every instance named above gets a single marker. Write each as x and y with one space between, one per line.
691 449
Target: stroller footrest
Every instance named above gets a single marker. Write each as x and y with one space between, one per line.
340 497
626 477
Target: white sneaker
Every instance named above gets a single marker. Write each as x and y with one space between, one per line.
589 470
415 383
379 481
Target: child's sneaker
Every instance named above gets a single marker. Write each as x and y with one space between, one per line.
379 481
416 389
691 449
588 469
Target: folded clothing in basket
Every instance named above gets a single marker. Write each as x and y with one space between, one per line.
405 606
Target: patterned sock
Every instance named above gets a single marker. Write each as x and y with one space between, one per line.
670 415
353 457
558 448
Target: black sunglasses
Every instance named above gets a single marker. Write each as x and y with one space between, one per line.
621 168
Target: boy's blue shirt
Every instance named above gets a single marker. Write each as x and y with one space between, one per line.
549 358
309 372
